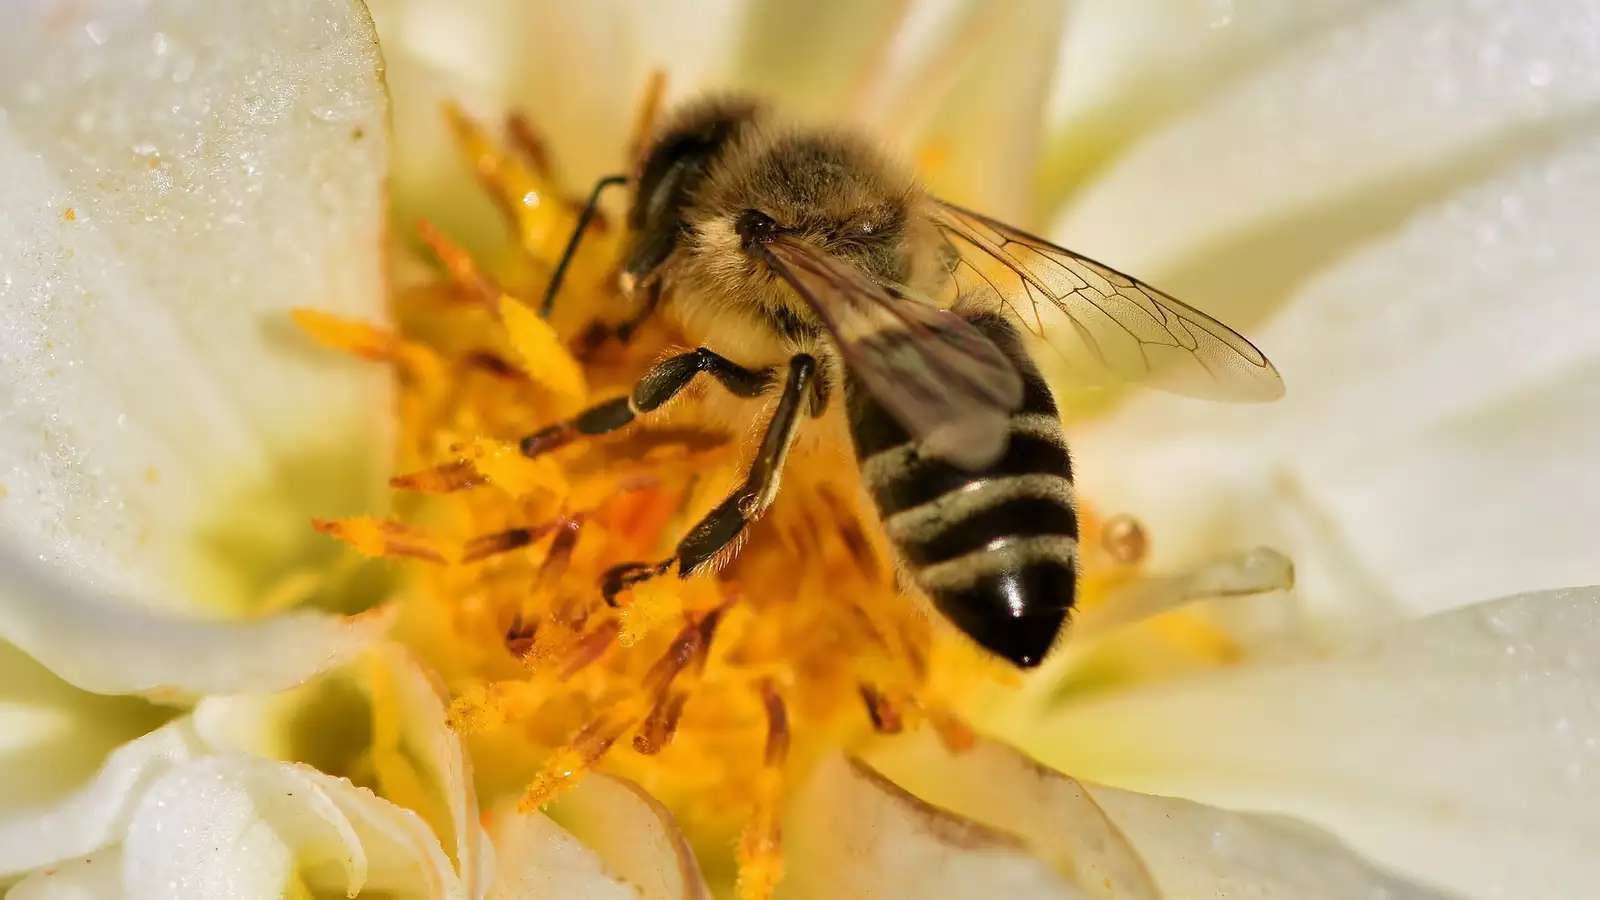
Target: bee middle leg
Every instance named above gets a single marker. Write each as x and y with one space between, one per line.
720 527
665 380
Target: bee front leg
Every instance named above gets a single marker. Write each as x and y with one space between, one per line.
665 380
721 527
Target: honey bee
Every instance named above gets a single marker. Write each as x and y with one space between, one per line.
810 264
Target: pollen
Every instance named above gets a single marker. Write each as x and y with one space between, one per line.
715 692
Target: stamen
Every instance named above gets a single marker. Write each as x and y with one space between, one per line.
494 364
658 728
381 537
444 478
589 648
518 190
885 717
760 844
530 143
644 119
369 342
459 264
487 545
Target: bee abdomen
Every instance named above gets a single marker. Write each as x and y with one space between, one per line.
995 550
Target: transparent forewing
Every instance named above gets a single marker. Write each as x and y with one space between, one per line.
941 379
1099 320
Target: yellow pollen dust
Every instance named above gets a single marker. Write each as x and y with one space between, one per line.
714 692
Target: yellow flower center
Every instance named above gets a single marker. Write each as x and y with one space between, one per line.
714 692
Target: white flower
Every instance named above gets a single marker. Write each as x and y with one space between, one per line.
176 175
1393 199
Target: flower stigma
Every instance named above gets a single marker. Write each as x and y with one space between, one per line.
715 692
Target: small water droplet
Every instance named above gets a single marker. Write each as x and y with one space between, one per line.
158 44
97 32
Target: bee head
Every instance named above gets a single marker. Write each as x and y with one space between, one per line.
835 191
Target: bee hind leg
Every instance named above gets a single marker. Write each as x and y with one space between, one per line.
721 528
664 380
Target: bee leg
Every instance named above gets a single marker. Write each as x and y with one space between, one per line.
721 527
664 380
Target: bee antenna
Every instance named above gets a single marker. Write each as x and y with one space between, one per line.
584 217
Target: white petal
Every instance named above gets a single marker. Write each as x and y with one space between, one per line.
96 877
110 648
226 826
1200 852
634 836
1120 69
999 787
96 814
1463 749
410 747
426 741
536 858
177 175
1399 86
53 736
1124 845
853 833
1437 442
992 86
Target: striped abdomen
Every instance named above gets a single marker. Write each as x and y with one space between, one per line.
996 549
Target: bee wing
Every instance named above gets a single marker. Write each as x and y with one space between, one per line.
941 379
1098 319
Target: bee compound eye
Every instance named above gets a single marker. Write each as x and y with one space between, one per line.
755 227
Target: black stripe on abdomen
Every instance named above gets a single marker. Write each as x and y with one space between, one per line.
996 549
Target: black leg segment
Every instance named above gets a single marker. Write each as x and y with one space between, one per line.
664 380
721 527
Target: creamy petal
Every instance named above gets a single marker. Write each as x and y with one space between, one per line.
536 858
95 877
852 832
96 814
425 743
395 707
234 826
1119 844
999 787
1124 73
1396 89
634 836
110 648
981 139
54 736
1463 749
1200 852
177 176
1464 347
